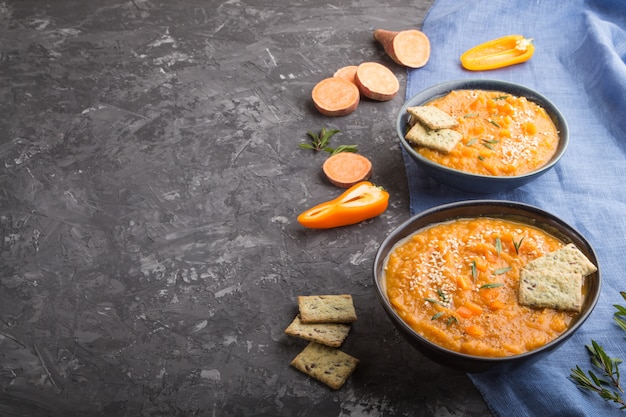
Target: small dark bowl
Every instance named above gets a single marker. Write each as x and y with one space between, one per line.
496 209
476 183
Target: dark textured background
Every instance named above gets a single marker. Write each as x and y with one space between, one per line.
150 179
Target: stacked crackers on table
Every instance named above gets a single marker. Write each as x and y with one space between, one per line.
324 320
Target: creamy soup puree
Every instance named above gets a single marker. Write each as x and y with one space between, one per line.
503 135
456 284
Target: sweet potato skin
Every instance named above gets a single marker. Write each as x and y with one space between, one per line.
376 82
335 97
345 169
410 48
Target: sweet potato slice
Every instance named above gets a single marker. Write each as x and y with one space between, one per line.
410 48
347 72
335 96
376 81
345 169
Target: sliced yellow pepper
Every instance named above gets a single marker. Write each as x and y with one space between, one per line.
498 53
362 201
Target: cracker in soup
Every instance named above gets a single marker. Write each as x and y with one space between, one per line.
443 140
432 117
555 279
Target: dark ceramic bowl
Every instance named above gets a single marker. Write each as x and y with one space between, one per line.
476 183
496 209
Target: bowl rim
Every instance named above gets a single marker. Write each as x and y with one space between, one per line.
489 84
391 240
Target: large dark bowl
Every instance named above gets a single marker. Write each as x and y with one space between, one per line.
496 209
476 183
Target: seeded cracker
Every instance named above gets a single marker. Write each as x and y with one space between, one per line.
432 117
329 334
555 279
326 308
326 364
443 140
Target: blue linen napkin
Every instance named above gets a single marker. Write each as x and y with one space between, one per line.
579 64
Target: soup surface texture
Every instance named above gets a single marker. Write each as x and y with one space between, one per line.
503 135
456 283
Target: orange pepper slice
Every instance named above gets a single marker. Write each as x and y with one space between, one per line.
362 201
498 53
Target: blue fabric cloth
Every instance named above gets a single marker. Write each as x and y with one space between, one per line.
579 64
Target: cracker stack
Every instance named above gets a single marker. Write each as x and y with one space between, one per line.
432 128
324 321
555 279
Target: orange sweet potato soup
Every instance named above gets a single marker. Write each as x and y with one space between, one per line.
503 135
456 283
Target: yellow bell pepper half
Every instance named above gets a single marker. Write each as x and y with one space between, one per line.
498 53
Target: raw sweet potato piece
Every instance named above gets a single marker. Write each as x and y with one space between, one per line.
410 48
347 72
376 81
345 169
335 96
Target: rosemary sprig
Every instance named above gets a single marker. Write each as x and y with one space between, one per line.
498 245
321 142
608 385
601 385
620 314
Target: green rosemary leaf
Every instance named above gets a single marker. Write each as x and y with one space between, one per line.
491 285
493 122
451 320
433 301
344 148
500 98
471 141
517 245
468 115
498 245
437 315
474 270
501 271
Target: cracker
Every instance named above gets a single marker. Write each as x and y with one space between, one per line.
328 365
443 140
326 308
432 117
555 279
329 334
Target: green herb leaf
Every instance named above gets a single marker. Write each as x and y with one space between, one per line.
321 142
433 301
501 271
471 141
500 98
468 115
451 320
437 315
517 245
498 245
491 285
474 270
493 122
